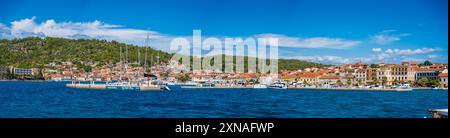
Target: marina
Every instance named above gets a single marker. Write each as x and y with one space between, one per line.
117 87
55 100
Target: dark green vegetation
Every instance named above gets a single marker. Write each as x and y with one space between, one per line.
426 63
36 52
293 64
424 82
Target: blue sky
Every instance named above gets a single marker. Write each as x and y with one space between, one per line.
327 31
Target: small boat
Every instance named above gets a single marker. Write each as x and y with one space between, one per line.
439 113
402 88
278 86
165 87
260 86
205 85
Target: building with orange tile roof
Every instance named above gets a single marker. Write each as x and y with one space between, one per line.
443 79
308 77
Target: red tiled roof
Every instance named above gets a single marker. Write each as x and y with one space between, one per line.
427 69
443 75
329 77
349 76
309 75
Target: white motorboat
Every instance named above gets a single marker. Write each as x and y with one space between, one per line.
278 86
260 86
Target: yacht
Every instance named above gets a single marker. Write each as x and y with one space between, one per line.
402 87
278 85
260 86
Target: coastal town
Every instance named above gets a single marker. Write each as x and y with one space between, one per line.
356 75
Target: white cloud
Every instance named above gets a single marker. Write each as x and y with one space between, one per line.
411 52
387 37
4 32
314 42
329 59
75 30
432 56
404 53
376 49
100 30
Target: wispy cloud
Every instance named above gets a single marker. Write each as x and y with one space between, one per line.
387 37
382 56
5 31
100 30
376 49
313 42
330 59
88 30
403 53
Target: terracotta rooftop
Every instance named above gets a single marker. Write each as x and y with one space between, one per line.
329 77
309 75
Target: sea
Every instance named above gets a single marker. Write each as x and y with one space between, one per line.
55 100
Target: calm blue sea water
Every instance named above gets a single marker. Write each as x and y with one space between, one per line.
54 100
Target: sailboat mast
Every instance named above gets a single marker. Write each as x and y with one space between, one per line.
126 54
139 56
146 53
120 61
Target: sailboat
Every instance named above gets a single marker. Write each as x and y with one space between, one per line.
142 85
125 84
148 71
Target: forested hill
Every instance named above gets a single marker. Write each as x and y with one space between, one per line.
36 52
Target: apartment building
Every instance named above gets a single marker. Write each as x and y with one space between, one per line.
384 74
402 73
22 71
361 76
428 73
309 78
443 79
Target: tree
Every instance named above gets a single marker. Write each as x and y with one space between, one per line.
183 77
375 80
349 82
426 63
374 66
423 82
433 83
87 68
165 74
338 82
410 82
384 81
359 82
395 82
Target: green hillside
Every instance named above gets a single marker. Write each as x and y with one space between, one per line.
35 52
